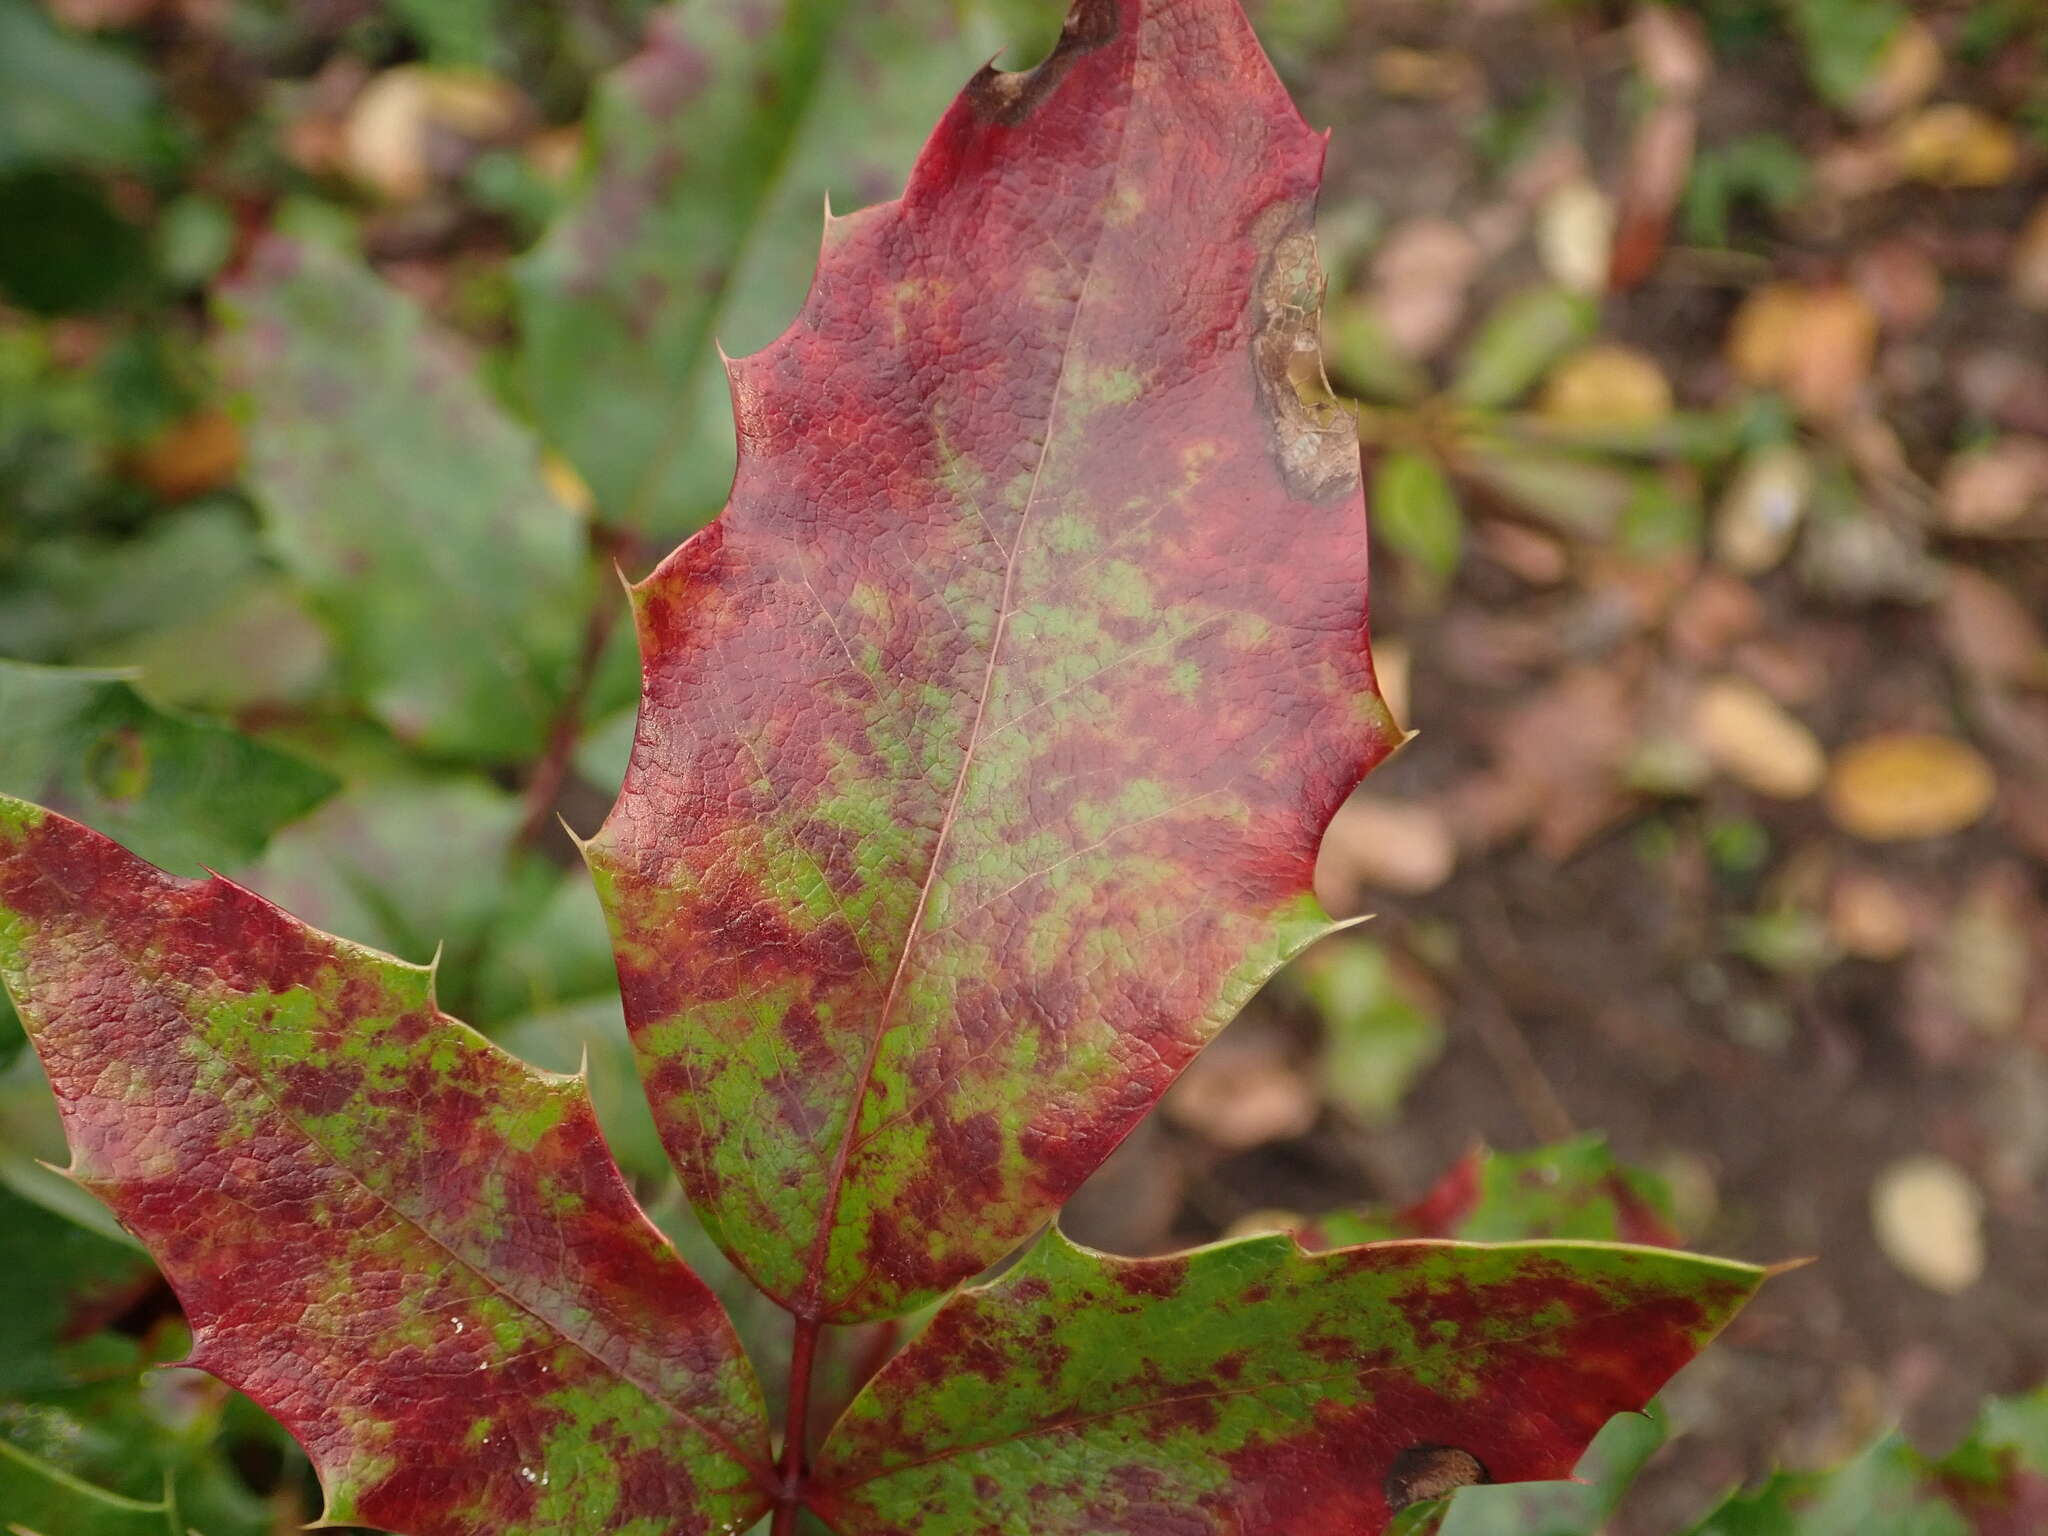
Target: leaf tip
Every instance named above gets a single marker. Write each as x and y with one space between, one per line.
71 1174
582 843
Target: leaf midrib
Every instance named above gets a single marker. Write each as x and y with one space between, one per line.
1152 1405
809 1304
755 1469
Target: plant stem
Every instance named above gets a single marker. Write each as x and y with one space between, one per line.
803 1351
549 774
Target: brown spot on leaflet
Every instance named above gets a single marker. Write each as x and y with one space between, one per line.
1007 96
1424 1472
1153 1277
1314 439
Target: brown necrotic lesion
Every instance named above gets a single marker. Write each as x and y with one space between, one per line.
1008 96
1314 437
1424 1472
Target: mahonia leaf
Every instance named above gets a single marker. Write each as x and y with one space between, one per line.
70 100
404 1243
184 791
92 1442
410 505
987 737
715 147
82 1281
1251 1386
1994 1484
1578 1506
1573 1189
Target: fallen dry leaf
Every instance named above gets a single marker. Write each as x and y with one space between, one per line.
1420 278
1673 59
1988 490
1422 74
1901 282
201 453
2008 387
1129 1204
2030 261
312 138
1607 385
1854 168
1908 784
1670 50
1815 342
1786 666
1859 555
1243 1096
1766 330
1953 145
1538 558
1745 734
1986 952
387 139
1867 918
1558 770
1929 1219
1659 163
1989 633
1380 843
1575 235
555 153
1906 73
1758 515
1712 615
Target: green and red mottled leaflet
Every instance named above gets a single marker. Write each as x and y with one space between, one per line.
408 1246
1574 1189
988 736
1251 1386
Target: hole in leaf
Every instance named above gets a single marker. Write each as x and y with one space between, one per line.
1424 1472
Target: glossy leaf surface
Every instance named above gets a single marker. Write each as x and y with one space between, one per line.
1253 1387
715 150
988 737
1573 1189
409 1247
408 503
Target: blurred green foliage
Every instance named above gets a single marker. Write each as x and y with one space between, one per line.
1760 169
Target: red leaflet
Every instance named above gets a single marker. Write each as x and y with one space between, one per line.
1250 1386
411 1248
988 736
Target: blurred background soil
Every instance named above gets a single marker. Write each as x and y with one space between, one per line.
1702 354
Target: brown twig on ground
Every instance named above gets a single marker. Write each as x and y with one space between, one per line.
1509 1047
1502 1036
551 772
